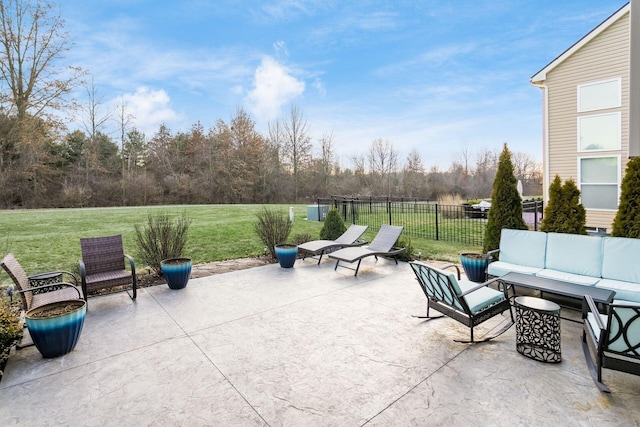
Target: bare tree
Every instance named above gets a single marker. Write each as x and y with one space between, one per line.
383 161
297 145
414 178
327 154
32 42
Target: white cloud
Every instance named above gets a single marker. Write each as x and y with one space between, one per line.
273 87
149 108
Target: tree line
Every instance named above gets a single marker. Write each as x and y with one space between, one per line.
42 164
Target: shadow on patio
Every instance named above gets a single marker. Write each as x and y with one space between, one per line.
301 346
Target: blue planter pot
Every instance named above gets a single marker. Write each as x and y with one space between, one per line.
56 334
475 266
176 271
286 255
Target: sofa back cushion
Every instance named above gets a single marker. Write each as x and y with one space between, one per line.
573 253
523 247
620 259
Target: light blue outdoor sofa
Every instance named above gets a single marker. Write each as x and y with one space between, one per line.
604 262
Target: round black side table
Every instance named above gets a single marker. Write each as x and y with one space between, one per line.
538 329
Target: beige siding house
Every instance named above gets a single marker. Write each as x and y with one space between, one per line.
585 94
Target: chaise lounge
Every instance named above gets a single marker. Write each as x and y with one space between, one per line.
320 247
382 245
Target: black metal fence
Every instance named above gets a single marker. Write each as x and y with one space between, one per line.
426 219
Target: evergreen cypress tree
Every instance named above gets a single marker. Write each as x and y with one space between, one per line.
506 203
576 213
564 213
627 221
333 226
553 211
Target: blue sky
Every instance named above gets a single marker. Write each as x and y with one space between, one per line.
437 76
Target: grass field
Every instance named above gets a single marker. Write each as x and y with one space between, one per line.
48 239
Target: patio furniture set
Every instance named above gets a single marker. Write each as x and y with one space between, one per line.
590 269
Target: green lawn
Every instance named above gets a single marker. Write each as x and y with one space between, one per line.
48 239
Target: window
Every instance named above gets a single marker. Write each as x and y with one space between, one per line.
599 132
599 95
599 182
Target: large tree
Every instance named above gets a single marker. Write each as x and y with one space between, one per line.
32 43
506 203
297 145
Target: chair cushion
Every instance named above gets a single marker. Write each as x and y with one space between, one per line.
573 253
500 268
620 259
591 321
479 299
523 247
624 290
628 341
568 277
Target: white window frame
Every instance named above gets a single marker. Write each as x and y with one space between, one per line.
618 146
618 178
616 104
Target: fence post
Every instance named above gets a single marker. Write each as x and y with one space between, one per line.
437 227
389 209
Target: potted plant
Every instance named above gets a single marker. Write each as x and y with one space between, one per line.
55 328
176 271
286 254
475 266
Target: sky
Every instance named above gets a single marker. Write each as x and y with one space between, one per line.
436 76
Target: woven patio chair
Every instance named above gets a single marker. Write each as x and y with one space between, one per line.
382 245
347 239
611 340
36 296
467 302
103 265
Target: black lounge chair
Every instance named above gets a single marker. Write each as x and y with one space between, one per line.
103 265
611 340
382 245
467 302
321 247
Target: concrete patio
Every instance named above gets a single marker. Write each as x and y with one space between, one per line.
307 346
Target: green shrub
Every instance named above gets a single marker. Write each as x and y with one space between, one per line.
409 251
272 228
10 328
506 203
301 238
162 237
627 221
564 213
333 226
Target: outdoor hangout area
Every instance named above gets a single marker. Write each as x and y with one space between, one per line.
308 345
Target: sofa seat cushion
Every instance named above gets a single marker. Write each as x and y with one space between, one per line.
479 299
500 268
573 253
568 277
627 291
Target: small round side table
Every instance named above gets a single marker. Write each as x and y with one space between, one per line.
538 329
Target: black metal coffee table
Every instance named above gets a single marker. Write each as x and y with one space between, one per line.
557 287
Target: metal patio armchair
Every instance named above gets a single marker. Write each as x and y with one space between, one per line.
467 302
103 265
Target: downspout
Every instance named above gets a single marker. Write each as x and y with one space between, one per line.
545 143
634 80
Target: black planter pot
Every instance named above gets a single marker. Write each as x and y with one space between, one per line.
176 271
475 266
